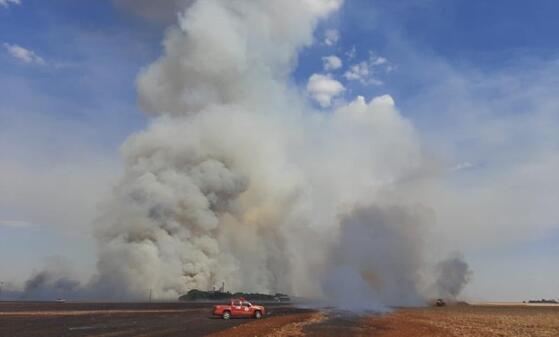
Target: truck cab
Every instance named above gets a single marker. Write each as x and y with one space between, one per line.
239 308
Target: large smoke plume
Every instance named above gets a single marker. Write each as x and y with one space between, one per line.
238 180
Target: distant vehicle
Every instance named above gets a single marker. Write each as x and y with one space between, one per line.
60 300
440 302
239 308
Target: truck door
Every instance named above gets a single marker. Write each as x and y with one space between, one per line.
236 309
247 310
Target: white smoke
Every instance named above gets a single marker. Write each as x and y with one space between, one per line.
238 180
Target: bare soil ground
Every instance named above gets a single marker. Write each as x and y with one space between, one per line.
194 319
465 320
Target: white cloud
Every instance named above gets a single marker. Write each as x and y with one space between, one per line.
331 62
350 54
331 37
322 88
23 54
378 61
6 3
357 71
362 72
365 71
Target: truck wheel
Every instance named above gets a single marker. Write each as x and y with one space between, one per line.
258 315
226 315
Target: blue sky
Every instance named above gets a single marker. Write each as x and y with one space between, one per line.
478 79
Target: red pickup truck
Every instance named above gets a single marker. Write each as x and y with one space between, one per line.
239 308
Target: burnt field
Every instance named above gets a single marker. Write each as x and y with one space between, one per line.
118 319
194 319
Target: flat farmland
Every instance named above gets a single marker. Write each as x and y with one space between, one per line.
466 321
194 319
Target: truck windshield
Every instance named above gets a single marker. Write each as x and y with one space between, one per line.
246 304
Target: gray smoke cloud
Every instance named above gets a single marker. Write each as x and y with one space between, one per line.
238 180
48 285
55 280
453 274
162 11
378 260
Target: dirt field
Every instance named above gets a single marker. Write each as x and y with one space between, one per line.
193 319
462 321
